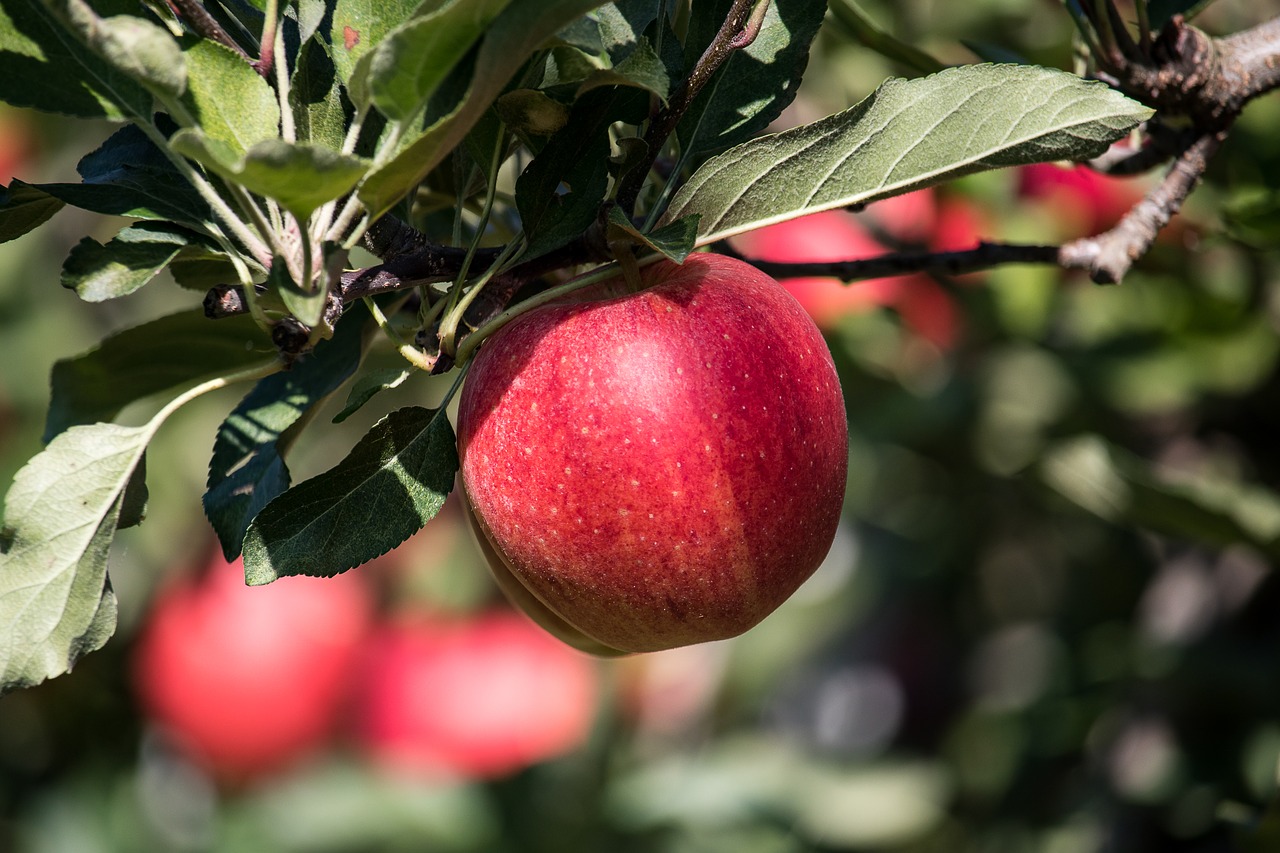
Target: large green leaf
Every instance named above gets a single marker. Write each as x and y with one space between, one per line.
24 208
755 84
358 26
59 518
146 359
906 135
521 28
232 102
393 482
130 45
408 65
247 469
48 68
320 112
132 258
300 176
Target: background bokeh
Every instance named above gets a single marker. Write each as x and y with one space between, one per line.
1049 621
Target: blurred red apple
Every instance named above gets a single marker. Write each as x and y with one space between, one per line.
246 680
481 697
657 469
1083 202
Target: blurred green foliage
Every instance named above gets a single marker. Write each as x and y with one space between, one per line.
1048 623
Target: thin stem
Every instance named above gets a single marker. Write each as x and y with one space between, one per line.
251 242
409 353
247 375
266 46
287 129
1144 24
449 328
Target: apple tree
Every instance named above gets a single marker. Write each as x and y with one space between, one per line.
348 177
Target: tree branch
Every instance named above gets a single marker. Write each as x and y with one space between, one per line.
984 256
1108 256
195 14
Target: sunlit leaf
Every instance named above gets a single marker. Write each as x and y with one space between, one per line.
232 102
410 62
368 386
132 258
300 176
393 482
906 135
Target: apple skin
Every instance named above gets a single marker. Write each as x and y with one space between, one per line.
660 468
247 680
479 697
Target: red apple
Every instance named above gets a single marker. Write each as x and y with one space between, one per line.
480 697
660 468
246 680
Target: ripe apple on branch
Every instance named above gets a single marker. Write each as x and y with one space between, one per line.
505 160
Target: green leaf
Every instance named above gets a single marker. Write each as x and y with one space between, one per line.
408 65
24 208
320 112
643 69
367 386
516 33
247 469
529 112
358 26
146 359
856 24
47 68
300 176
1119 487
131 259
906 135
674 241
576 157
59 519
754 85
232 102
129 176
393 482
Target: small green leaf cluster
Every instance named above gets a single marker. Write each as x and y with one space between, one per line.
483 148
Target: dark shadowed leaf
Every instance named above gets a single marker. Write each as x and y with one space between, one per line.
129 176
521 28
24 208
247 469
146 359
393 482
906 135
98 272
755 84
